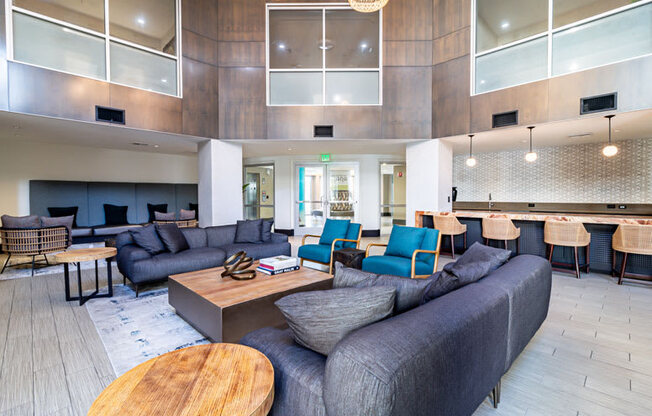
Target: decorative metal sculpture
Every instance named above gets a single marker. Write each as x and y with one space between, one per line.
236 267
367 6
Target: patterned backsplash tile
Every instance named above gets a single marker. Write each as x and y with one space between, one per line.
569 174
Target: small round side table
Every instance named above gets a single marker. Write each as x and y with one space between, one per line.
211 379
76 256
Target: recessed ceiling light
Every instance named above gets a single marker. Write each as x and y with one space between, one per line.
289 148
156 146
504 25
281 46
163 80
482 81
140 21
363 45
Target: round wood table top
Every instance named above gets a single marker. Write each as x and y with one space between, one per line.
85 254
212 379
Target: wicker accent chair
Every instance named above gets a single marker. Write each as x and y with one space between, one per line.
567 234
449 225
502 229
33 242
631 239
180 223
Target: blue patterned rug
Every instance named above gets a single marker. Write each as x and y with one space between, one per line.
134 330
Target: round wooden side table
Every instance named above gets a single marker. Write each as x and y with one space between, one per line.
211 379
76 256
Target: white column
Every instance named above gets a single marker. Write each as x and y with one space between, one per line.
284 205
369 193
429 177
220 183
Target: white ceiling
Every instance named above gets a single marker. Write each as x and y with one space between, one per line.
590 129
38 129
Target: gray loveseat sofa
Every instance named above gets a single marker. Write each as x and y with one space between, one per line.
209 247
441 358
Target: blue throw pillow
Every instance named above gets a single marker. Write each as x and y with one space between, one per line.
334 229
404 240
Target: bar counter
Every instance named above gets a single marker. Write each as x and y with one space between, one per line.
601 227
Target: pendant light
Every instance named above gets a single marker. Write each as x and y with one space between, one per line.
531 156
470 162
610 149
367 6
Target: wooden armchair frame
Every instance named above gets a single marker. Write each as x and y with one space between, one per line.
337 240
415 253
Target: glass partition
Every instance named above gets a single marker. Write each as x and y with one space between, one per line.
150 23
88 14
570 11
502 22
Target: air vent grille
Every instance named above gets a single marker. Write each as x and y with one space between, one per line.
505 119
323 131
598 103
109 115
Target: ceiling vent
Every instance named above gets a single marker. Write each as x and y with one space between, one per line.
109 115
323 131
504 119
598 103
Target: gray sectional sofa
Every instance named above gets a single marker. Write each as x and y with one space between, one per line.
209 247
441 358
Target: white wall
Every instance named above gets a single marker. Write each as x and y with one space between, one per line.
21 162
220 183
429 177
368 182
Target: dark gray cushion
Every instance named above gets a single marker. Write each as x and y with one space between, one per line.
165 216
162 265
220 235
152 208
60 221
185 215
249 231
115 214
147 238
172 237
477 262
28 221
196 237
64 212
409 292
320 319
266 233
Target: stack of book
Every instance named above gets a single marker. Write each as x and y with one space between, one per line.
277 265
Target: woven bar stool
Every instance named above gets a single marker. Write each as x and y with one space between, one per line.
567 234
500 228
631 239
449 225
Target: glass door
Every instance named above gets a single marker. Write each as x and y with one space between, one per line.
258 191
392 196
311 202
325 191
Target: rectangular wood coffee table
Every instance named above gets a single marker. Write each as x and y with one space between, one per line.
225 310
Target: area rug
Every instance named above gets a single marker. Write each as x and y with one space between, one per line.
133 330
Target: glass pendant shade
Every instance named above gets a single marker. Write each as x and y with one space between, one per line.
470 162
610 149
367 6
531 156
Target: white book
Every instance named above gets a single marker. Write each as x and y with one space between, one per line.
279 262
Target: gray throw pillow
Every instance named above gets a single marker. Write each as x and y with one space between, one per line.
172 237
266 234
320 319
409 292
164 216
249 231
147 238
58 222
185 215
477 262
28 221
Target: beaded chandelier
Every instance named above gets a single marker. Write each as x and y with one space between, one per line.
367 6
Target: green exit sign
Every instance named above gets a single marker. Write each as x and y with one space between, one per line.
325 157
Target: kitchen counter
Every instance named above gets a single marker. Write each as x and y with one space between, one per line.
532 216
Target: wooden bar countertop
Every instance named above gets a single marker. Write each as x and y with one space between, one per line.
543 216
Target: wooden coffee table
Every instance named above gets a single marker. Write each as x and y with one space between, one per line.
225 310
213 379
87 254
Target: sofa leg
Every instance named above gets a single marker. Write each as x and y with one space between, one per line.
137 289
495 395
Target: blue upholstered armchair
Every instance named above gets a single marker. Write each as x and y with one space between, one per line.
411 252
337 234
